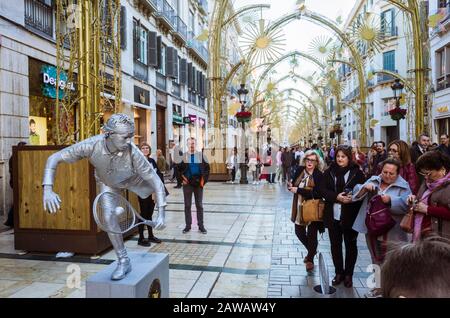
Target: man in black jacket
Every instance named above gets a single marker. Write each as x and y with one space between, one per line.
444 147
195 174
420 148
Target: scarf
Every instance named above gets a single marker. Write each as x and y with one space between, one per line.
419 217
340 173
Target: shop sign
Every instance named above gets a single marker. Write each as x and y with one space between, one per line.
193 118
187 120
49 80
443 109
177 118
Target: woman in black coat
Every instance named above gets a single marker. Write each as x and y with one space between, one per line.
305 185
147 205
340 212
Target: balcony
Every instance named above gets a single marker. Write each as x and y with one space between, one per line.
203 7
443 82
161 81
166 14
384 78
176 89
140 71
198 48
180 30
353 94
39 17
444 22
152 5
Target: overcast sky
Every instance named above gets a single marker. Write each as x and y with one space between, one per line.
300 34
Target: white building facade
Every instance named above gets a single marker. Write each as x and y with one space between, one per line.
380 99
440 65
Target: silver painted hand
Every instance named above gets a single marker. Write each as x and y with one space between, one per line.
160 221
52 202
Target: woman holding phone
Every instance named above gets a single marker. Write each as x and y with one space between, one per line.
340 212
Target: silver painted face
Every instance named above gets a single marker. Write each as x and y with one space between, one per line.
121 141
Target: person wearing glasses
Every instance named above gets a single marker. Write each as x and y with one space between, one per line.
399 150
340 212
305 185
432 203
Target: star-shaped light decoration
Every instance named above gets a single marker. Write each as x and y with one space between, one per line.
264 44
203 36
321 48
366 31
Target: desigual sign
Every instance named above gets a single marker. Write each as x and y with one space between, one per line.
49 81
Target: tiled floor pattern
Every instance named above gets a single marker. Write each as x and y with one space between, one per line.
250 251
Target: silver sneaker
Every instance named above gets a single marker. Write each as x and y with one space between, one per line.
123 268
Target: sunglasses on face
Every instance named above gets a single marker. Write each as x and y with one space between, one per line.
393 150
310 160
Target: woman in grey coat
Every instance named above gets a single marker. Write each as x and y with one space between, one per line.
394 191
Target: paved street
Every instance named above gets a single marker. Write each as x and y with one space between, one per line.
250 251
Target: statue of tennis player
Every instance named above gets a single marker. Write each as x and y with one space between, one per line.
119 165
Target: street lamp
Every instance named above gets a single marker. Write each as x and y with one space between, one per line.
243 98
339 132
269 136
397 114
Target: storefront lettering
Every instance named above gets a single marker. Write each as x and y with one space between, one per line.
49 80
52 81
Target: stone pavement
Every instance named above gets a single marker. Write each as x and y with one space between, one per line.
250 251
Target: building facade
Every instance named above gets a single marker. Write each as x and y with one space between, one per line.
164 81
440 64
380 98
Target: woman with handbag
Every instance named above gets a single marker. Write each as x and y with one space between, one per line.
432 205
340 212
388 190
306 188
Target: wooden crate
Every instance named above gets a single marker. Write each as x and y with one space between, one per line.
73 228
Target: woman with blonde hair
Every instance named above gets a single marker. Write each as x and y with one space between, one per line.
305 185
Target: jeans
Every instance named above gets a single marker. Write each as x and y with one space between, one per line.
349 236
188 190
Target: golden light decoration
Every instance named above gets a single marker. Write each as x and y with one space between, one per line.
266 45
366 31
321 48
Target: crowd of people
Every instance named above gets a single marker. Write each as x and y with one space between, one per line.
394 195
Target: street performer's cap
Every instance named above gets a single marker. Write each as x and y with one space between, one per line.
119 123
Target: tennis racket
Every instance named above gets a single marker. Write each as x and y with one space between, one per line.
114 214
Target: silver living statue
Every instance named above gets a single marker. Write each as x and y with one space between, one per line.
119 164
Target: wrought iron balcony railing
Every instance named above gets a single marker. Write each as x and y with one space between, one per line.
39 16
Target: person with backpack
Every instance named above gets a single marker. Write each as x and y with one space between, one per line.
340 212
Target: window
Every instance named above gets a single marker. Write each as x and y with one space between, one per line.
442 4
191 21
389 61
39 16
388 23
140 37
162 69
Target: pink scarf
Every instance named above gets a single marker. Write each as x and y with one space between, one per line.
418 217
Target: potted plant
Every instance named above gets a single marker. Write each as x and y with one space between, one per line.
397 113
243 117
